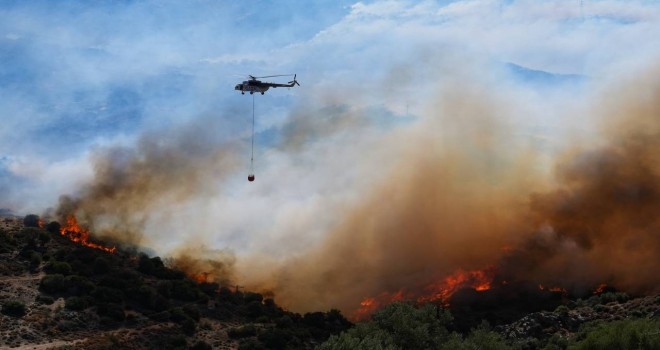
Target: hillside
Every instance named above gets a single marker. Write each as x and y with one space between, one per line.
59 294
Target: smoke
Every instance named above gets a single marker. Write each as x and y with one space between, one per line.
600 224
352 207
132 186
466 194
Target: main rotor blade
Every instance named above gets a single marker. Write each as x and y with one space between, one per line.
278 75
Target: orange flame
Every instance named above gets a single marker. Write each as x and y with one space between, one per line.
440 291
600 289
553 289
201 277
75 233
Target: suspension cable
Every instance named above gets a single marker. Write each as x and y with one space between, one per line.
252 152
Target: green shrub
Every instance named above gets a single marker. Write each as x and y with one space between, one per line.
44 237
396 326
178 315
111 310
35 259
639 334
44 299
101 266
13 308
78 303
31 220
54 227
176 342
251 344
107 294
275 338
242 332
79 285
191 311
59 267
200 345
161 316
53 284
188 326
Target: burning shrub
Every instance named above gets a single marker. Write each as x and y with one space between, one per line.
13 308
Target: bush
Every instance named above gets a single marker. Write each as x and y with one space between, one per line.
44 237
78 303
397 326
13 308
639 334
101 266
44 299
188 326
35 259
111 310
200 345
191 311
79 285
250 344
107 294
242 332
54 227
53 284
275 338
31 220
59 267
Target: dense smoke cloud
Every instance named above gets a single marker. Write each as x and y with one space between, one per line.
601 224
464 195
131 186
457 188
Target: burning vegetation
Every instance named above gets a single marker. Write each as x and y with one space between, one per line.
74 232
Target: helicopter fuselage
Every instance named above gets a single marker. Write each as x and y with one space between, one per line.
254 85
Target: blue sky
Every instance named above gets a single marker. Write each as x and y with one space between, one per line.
81 76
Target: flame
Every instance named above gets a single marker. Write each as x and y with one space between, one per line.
600 289
201 277
439 291
75 233
553 289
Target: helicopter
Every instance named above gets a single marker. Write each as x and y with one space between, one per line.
253 85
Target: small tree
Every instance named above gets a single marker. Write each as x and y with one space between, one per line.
54 227
31 220
13 308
